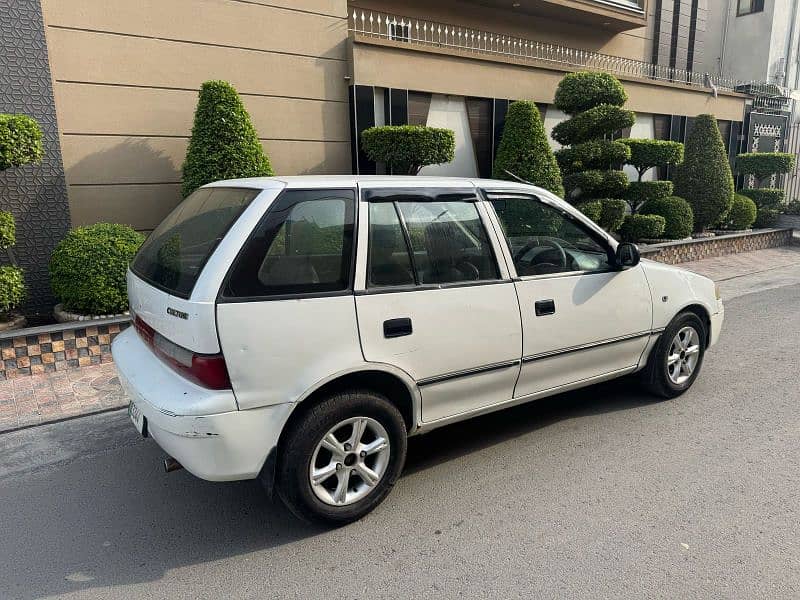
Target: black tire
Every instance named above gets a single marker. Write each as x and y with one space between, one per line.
655 376
297 449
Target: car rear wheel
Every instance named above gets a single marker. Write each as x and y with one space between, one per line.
675 362
342 457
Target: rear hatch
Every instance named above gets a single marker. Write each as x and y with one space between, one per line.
178 328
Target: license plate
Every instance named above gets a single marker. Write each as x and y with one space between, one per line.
138 419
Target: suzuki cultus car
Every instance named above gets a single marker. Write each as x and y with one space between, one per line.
299 329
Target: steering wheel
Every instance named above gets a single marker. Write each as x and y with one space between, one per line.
562 256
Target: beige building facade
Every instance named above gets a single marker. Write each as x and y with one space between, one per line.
314 73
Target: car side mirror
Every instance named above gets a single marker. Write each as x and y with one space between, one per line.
627 255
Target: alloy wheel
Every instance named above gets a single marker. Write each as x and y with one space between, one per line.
684 353
349 461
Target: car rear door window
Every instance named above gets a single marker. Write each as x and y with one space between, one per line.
428 242
303 246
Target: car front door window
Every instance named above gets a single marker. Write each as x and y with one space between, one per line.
544 241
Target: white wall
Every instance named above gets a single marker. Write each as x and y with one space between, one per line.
451 112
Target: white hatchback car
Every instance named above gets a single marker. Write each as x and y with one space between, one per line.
298 329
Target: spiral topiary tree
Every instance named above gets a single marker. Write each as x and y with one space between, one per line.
224 143
524 150
591 161
20 144
762 166
704 177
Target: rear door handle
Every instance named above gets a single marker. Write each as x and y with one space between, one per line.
393 328
545 307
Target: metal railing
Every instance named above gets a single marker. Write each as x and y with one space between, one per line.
441 35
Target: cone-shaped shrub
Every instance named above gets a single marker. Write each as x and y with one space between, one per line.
224 143
704 177
590 165
524 150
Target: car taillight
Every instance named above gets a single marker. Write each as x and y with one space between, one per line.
207 370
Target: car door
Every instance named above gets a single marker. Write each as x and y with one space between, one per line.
433 299
582 318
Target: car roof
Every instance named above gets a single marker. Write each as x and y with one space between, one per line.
323 181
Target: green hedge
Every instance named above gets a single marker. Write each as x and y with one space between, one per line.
594 154
742 214
641 227
678 217
595 184
793 208
8 230
639 192
12 290
593 123
592 209
764 164
612 213
704 177
766 217
407 148
583 90
647 154
88 267
224 143
524 150
20 141
766 197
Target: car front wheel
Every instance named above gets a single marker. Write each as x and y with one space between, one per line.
675 362
342 457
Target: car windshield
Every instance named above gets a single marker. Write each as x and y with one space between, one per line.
176 252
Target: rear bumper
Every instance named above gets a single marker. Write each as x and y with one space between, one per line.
200 428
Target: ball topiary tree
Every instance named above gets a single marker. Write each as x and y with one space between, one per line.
407 148
762 166
88 268
646 155
20 144
524 150
678 217
742 214
224 143
704 178
591 161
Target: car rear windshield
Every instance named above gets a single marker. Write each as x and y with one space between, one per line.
175 253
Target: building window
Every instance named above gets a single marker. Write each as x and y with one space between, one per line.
746 7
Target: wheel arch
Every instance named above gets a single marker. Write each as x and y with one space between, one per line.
398 387
703 314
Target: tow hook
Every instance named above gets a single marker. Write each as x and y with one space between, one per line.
170 465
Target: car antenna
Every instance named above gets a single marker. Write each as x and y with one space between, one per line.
517 177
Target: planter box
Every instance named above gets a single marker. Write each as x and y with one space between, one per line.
51 348
721 245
